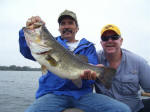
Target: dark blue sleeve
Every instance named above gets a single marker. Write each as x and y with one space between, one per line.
24 49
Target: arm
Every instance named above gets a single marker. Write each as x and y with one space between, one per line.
144 75
145 94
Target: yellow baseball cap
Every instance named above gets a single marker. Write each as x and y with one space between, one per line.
111 27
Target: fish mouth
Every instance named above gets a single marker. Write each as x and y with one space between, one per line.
40 49
42 53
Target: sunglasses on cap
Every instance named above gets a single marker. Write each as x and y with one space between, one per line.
113 37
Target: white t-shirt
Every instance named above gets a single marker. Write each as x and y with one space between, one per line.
72 45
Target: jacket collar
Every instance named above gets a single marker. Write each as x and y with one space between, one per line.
83 43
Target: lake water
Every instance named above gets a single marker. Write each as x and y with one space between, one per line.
17 89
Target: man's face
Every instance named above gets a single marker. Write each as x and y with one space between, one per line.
111 45
68 29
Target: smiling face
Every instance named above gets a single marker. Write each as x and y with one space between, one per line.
68 29
111 46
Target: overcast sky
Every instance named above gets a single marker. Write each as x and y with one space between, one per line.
131 16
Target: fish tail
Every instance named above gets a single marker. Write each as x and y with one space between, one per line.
106 76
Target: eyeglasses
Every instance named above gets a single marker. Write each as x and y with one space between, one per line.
113 37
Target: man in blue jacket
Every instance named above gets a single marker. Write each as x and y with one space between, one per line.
56 94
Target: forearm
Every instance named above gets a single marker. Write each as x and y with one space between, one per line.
145 94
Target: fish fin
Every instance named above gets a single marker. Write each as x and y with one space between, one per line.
107 76
77 82
44 69
51 60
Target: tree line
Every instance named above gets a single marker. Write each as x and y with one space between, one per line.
18 68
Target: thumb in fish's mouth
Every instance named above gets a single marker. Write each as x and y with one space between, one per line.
67 30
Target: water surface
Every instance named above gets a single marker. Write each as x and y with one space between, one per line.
17 90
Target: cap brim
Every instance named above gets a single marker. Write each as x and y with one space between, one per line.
64 16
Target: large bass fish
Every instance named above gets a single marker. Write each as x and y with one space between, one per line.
55 58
